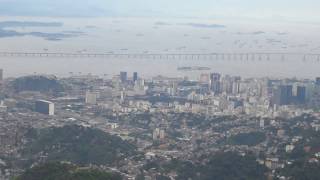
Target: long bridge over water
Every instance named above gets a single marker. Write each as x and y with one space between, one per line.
262 56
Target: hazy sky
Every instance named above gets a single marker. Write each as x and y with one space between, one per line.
300 10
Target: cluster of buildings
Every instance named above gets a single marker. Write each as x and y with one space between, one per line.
167 116
214 94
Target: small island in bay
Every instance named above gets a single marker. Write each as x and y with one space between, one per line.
193 68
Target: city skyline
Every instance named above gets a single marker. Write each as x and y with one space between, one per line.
159 90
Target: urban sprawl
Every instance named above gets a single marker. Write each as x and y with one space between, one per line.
166 118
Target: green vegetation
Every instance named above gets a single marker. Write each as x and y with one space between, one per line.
302 170
199 121
250 139
310 140
37 83
59 171
222 166
77 144
162 177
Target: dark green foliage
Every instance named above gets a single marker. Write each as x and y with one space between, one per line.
94 175
199 121
298 153
302 170
151 165
310 139
141 120
77 144
59 171
223 166
250 139
162 177
37 83
140 177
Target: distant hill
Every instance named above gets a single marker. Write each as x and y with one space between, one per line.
76 144
37 83
60 171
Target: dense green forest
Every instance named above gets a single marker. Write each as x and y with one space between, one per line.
221 166
250 139
76 144
302 167
301 170
60 171
224 166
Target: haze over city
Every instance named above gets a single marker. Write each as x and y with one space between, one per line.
159 90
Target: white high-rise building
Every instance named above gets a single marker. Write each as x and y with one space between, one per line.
262 123
91 97
122 96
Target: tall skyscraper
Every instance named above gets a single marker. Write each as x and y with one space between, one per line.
236 88
123 77
215 82
236 84
318 81
301 94
1 74
289 93
135 77
282 95
215 76
122 96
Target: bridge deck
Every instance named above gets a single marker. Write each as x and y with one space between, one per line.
209 56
